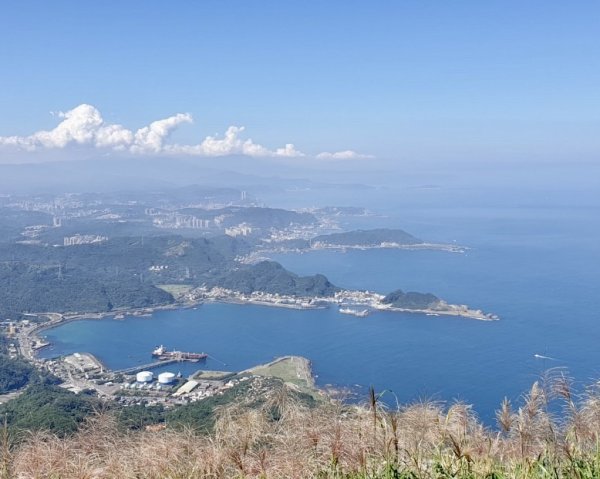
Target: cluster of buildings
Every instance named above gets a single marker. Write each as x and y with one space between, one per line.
149 392
256 297
13 330
158 268
243 229
295 232
178 221
83 239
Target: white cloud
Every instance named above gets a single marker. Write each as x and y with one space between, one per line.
232 144
79 125
343 155
150 139
288 151
84 125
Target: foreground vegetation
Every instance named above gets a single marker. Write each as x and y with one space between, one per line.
14 373
45 406
284 437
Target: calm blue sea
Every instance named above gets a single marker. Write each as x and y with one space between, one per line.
534 261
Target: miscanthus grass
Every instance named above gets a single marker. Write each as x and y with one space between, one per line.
285 439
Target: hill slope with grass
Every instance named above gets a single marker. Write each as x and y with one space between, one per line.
278 434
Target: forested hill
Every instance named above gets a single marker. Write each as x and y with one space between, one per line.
411 300
40 288
271 277
366 238
12 222
120 273
126 272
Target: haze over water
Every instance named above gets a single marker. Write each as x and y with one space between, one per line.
533 261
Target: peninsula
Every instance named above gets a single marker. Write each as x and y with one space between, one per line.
379 238
269 284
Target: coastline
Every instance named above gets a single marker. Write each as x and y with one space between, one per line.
290 303
32 335
363 299
256 302
467 314
294 370
417 246
257 255
372 301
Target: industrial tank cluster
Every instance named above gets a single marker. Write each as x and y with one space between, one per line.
148 377
144 377
166 378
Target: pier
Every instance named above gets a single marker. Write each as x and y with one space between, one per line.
164 357
143 367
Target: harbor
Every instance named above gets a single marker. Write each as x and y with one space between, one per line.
165 357
147 366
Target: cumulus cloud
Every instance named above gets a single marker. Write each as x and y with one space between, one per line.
151 138
232 144
79 125
342 155
84 125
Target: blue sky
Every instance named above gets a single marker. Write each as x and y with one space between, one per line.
393 79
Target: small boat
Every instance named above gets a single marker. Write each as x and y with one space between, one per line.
541 356
355 312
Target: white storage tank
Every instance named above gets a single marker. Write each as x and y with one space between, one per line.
166 378
144 376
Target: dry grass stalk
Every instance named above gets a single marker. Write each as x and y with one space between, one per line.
283 439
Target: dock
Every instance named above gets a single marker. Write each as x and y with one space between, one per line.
148 366
164 357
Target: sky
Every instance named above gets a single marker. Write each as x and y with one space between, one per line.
307 81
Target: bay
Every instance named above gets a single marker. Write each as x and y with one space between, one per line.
535 266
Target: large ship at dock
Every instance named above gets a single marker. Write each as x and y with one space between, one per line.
163 354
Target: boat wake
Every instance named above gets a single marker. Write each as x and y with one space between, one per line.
540 356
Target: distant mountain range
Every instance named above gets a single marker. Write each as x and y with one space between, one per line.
143 174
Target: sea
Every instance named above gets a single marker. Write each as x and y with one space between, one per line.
533 259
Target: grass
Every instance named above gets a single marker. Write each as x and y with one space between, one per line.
293 370
175 290
283 438
213 375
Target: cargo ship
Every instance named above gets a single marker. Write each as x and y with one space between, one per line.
163 354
